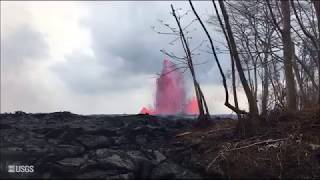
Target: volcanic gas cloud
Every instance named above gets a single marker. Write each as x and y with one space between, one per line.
170 93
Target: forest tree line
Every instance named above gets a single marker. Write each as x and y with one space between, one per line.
272 44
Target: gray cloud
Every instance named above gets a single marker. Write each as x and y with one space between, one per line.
22 46
20 51
84 74
127 35
139 57
125 46
126 54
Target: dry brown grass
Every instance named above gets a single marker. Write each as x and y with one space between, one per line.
288 149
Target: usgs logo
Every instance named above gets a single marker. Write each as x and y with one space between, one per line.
20 169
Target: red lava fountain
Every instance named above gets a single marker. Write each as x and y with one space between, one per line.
170 93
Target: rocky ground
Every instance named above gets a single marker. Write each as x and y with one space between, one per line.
63 144
67 145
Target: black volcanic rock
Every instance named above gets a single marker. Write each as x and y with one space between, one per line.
62 144
93 142
170 170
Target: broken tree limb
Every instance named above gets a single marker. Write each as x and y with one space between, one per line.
257 143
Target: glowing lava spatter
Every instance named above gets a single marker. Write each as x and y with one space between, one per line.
145 110
192 106
170 93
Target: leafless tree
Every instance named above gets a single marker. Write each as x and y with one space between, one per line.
204 114
235 109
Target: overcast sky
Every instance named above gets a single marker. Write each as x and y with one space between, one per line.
96 57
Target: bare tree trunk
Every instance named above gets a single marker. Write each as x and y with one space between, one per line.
303 97
277 88
249 125
316 4
265 86
235 96
249 76
255 81
307 71
203 113
235 109
287 54
253 108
